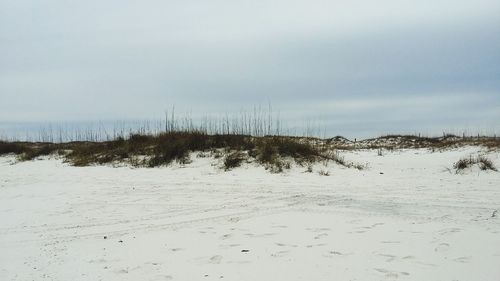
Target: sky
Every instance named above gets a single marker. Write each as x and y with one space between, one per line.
358 68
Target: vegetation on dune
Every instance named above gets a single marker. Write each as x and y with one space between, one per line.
275 153
234 160
9 147
27 151
391 142
483 163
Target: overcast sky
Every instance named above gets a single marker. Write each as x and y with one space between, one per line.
360 67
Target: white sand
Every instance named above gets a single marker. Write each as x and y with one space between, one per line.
416 221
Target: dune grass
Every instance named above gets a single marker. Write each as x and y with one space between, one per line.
165 148
275 152
467 162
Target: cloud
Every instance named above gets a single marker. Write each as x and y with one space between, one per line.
94 60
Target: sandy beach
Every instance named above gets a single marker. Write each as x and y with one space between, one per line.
408 216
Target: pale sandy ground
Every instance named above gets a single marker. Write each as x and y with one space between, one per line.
416 221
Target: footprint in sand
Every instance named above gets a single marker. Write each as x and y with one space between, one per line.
391 274
226 236
321 229
389 258
97 261
285 245
316 245
447 231
227 246
372 226
332 254
207 232
463 259
280 254
279 226
319 236
234 220
266 234
162 278
443 247
216 259
122 271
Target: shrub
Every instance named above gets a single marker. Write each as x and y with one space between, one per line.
486 164
483 162
266 152
271 148
84 154
463 163
9 147
165 153
324 173
32 153
309 168
233 160
276 166
295 148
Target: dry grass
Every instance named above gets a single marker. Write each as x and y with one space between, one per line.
448 141
9 147
28 151
234 160
324 173
171 147
275 153
483 163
